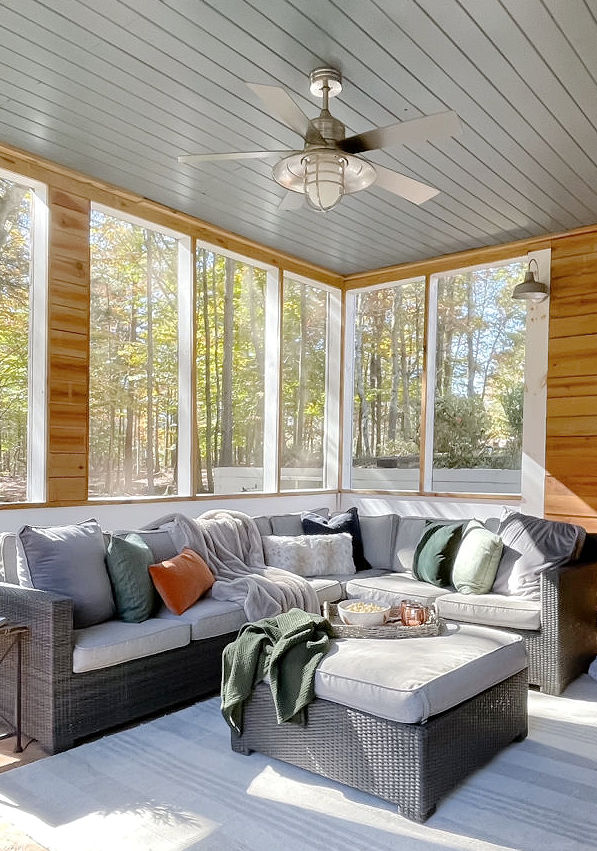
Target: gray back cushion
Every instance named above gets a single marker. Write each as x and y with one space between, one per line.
408 535
291 524
379 539
8 558
264 525
158 540
69 560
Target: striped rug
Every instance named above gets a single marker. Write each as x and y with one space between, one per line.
174 784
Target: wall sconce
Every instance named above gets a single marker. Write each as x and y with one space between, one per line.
531 289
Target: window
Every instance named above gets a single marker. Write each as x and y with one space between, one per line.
388 367
473 408
23 261
231 370
479 380
304 371
134 358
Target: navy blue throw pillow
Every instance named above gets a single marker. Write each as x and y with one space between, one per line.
314 524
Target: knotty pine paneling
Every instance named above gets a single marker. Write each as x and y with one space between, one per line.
68 362
571 446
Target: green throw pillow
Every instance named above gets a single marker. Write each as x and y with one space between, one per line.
127 560
477 561
435 553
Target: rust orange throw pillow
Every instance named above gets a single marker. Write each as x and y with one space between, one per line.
182 580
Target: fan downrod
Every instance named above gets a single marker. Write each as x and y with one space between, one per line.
322 78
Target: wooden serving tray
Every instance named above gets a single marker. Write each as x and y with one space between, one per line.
387 630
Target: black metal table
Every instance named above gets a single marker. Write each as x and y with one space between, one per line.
14 632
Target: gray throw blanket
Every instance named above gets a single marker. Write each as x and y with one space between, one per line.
230 543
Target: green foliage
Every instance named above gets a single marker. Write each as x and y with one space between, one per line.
461 427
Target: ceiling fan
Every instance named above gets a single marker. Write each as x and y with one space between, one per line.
329 166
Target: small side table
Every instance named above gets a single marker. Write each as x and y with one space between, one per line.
13 633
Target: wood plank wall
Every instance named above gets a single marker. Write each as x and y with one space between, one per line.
68 347
571 449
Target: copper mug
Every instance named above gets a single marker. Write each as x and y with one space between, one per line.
413 613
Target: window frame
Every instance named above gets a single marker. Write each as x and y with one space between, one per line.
37 366
185 353
332 430
535 390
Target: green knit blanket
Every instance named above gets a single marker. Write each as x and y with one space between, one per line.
288 648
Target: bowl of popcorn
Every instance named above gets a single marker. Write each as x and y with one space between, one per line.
362 612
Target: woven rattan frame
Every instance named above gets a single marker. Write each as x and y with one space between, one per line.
60 707
410 765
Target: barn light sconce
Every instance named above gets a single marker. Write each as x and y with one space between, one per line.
531 289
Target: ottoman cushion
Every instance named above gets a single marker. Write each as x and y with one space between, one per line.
412 679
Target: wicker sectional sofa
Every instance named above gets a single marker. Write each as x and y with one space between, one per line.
80 682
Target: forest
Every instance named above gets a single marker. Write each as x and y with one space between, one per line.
479 380
15 283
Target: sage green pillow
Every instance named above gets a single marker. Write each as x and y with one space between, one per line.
477 560
128 560
435 553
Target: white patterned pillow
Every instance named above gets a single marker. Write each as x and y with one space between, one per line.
310 555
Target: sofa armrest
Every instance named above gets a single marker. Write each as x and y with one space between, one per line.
47 662
568 618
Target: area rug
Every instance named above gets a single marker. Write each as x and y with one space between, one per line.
173 784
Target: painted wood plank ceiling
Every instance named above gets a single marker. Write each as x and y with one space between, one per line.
118 89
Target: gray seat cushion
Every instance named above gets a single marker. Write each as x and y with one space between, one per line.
410 681
114 642
491 610
344 580
208 617
379 539
391 588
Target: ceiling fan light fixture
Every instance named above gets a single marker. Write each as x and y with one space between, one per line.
530 289
324 179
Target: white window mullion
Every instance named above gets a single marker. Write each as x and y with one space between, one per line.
273 297
348 397
430 384
38 311
331 432
186 388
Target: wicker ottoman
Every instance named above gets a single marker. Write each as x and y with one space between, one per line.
405 720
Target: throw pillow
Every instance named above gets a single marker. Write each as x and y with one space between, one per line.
310 555
69 560
531 546
182 580
128 560
477 559
435 553
348 521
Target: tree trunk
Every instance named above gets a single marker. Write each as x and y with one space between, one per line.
396 322
207 376
226 457
470 338
363 445
130 404
149 408
218 402
302 373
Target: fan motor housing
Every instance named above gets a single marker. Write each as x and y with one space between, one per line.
327 126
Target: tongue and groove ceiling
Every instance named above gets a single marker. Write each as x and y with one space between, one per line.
118 89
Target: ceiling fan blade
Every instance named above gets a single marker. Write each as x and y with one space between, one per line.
418 130
194 159
279 103
292 201
404 186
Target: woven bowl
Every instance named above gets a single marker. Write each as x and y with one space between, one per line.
376 618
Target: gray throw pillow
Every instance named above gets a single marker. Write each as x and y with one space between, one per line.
291 524
531 546
69 560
